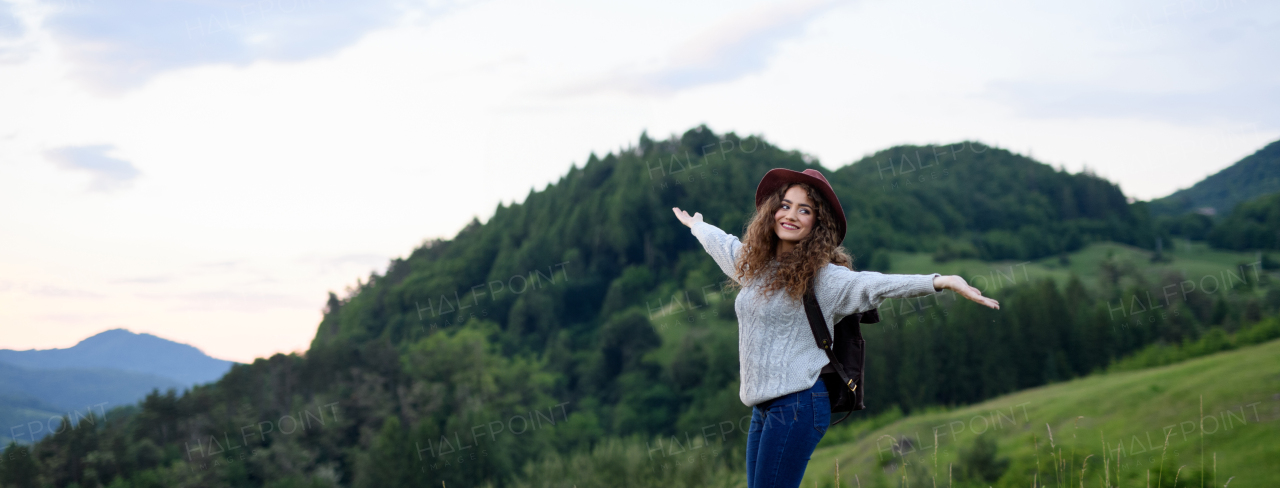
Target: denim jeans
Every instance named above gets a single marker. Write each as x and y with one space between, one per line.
783 433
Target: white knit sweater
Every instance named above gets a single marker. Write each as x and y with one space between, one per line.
776 349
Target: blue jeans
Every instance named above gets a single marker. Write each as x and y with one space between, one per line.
783 433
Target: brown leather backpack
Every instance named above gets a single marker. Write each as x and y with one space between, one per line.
843 376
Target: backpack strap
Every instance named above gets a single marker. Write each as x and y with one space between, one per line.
818 325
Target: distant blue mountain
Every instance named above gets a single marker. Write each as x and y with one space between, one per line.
123 350
108 370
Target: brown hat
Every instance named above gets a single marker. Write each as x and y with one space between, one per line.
781 177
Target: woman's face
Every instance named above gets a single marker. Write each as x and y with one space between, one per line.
795 218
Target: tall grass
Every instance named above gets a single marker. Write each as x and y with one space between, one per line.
1215 340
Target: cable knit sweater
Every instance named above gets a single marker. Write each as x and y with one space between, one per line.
776 349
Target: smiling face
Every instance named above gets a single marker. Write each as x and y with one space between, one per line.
795 217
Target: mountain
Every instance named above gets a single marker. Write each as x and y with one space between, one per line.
122 350
971 200
111 369
1256 175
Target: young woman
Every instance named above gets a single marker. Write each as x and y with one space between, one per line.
793 241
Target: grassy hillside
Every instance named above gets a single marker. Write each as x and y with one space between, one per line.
1130 413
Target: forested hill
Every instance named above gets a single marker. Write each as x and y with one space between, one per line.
960 200
1256 175
983 202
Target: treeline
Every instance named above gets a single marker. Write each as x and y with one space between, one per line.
932 352
534 332
1253 225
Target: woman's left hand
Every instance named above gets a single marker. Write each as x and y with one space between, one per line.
958 285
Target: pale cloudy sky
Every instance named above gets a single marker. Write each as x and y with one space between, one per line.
207 170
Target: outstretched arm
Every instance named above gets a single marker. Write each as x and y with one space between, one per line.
859 288
958 285
721 246
858 291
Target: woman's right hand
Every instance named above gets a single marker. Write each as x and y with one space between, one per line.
685 218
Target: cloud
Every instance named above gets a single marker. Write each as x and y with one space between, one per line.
44 290
108 173
10 26
346 261
232 300
13 49
1250 103
118 45
59 292
146 280
1191 63
736 47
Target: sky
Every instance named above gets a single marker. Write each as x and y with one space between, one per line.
207 171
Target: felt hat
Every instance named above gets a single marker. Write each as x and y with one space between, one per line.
780 177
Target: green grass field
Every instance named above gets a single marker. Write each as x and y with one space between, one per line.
1130 413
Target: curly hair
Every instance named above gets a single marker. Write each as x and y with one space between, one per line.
797 268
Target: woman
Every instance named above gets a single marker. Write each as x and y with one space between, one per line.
793 242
